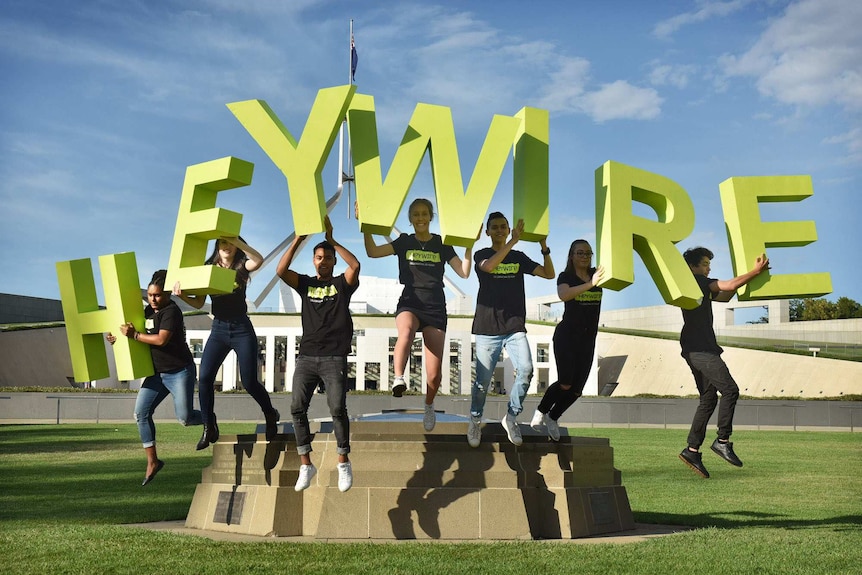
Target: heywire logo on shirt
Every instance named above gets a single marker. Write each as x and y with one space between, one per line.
421 256
321 292
506 269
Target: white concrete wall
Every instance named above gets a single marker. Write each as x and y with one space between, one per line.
654 366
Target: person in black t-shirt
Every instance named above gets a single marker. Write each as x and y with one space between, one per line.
703 355
231 331
574 337
422 258
165 333
327 332
500 320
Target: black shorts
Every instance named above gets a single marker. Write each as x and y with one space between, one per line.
428 306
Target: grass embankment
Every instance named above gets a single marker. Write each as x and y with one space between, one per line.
795 508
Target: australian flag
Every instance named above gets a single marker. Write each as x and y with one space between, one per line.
354 60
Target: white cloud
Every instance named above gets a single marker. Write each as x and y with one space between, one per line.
671 75
852 141
622 101
810 56
706 9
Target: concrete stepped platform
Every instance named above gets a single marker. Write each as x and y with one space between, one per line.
411 484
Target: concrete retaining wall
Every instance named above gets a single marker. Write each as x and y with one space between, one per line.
587 412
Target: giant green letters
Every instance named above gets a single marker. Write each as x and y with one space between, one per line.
749 236
86 323
301 162
530 174
199 221
618 230
430 128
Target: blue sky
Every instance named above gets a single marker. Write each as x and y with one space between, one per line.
104 104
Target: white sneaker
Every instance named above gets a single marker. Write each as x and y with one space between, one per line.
553 428
512 429
398 386
538 421
306 472
345 476
429 420
474 431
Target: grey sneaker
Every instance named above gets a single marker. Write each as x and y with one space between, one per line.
306 473
345 476
512 429
693 460
429 420
553 428
474 431
725 451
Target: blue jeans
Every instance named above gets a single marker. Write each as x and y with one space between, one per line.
310 371
711 377
180 384
488 350
237 335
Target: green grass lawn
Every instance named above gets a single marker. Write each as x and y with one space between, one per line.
796 507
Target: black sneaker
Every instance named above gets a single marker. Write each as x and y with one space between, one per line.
272 419
725 451
693 460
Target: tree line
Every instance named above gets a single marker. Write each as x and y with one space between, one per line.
810 309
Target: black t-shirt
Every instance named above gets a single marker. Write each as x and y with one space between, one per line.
421 264
697 331
175 354
230 306
500 305
581 314
327 326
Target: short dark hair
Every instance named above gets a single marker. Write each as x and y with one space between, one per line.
495 216
692 256
325 246
158 279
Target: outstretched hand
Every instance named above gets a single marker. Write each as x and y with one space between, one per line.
518 230
761 263
598 276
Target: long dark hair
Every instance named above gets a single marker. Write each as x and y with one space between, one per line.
570 260
238 264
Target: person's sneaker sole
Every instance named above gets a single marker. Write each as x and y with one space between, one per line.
398 389
693 467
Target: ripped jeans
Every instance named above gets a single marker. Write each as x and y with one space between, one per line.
180 384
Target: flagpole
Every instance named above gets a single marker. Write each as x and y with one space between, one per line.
347 176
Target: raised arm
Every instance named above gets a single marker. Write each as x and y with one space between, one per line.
462 265
567 292
196 301
372 250
283 270
254 261
351 274
726 288
546 270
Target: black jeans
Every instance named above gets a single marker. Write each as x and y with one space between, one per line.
310 371
574 357
712 377
239 336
